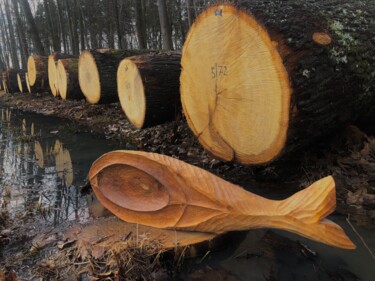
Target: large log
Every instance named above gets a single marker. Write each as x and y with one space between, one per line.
266 77
68 84
97 73
21 80
148 88
37 69
161 191
52 70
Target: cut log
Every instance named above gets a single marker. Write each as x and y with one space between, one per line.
97 73
266 77
21 80
161 191
148 88
52 70
10 78
68 84
37 69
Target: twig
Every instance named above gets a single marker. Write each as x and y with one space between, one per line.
360 237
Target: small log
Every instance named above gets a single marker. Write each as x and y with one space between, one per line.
52 70
10 78
161 191
21 80
28 83
97 73
148 88
68 84
264 79
37 69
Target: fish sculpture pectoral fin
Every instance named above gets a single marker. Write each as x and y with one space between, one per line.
163 192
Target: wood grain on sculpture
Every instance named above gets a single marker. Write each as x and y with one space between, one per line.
261 79
163 192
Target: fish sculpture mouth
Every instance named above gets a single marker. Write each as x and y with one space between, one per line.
163 192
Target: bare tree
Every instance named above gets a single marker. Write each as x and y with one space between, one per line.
39 49
166 32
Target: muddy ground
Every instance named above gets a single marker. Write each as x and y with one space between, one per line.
348 155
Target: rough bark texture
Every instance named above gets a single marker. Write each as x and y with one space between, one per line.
160 75
107 61
332 84
21 79
73 91
331 77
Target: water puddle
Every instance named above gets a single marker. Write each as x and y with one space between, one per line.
43 162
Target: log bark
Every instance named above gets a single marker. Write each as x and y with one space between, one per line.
21 80
52 71
164 192
265 78
97 73
148 88
37 70
10 78
32 89
68 84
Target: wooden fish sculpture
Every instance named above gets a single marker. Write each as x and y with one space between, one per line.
163 192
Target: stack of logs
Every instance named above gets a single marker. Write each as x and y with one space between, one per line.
256 94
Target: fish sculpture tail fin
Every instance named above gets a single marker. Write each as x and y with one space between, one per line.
306 212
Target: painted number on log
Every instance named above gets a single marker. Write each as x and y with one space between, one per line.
218 71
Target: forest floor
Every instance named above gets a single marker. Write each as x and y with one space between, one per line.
349 155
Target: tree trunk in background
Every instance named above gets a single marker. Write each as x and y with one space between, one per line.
166 32
22 35
72 29
140 24
117 24
179 20
53 33
62 30
12 38
38 46
81 26
111 33
190 11
5 37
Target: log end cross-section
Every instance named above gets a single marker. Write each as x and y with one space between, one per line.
235 90
89 78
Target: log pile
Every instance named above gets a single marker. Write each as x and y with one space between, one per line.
97 73
37 70
148 88
52 71
263 79
68 84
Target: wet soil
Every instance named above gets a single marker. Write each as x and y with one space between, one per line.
349 155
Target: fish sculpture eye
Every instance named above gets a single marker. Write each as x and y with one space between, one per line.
133 189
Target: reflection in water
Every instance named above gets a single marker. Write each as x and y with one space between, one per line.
37 174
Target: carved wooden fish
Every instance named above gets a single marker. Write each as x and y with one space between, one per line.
164 192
